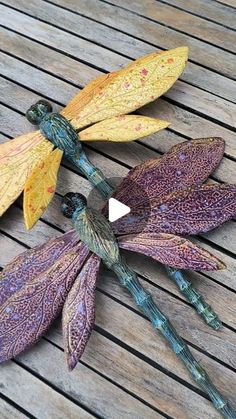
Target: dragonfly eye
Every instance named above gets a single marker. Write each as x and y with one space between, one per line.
72 201
38 111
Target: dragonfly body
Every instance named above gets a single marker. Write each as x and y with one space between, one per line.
99 112
60 132
95 231
64 271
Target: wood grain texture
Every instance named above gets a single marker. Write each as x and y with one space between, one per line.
9 411
51 49
216 12
22 387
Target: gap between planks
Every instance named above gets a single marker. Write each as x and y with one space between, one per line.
127 42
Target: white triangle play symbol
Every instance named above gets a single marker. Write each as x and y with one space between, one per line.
116 209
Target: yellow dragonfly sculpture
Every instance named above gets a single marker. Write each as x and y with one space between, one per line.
30 162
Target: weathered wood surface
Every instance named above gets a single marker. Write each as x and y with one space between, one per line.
50 49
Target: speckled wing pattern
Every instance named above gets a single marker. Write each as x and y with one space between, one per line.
79 311
18 158
186 212
171 250
122 128
160 190
40 187
28 312
126 90
186 164
31 263
79 101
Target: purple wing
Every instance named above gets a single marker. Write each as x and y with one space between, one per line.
186 212
171 250
33 262
28 312
187 164
79 312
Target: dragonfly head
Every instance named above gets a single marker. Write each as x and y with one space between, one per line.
72 202
38 111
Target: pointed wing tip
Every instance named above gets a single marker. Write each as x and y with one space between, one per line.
165 124
217 140
28 225
71 362
217 265
182 51
221 266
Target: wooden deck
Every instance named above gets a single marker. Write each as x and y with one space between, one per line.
50 49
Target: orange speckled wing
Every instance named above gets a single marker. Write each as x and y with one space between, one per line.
126 90
123 128
79 101
18 158
40 187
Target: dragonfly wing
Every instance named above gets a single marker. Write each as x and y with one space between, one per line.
187 212
122 128
126 90
79 311
171 250
186 164
18 158
40 187
43 278
85 96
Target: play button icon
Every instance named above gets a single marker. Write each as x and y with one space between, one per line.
116 209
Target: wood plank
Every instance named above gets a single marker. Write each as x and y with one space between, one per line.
182 22
230 3
131 154
216 12
123 374
111 39
209 107
22 387
221 345
126 369
123 367
13 129
115 18
62 92
8 411
112 169
144 29
130 369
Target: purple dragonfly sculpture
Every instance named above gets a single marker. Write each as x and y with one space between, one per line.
61 274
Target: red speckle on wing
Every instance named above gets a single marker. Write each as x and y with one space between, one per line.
144 72
138 127
170 60
126 85
120 117
51 189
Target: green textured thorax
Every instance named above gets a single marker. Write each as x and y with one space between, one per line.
95 231
61 133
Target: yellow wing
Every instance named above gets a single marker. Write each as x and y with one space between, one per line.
40 187
74 107
121 92
18 157
122 128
